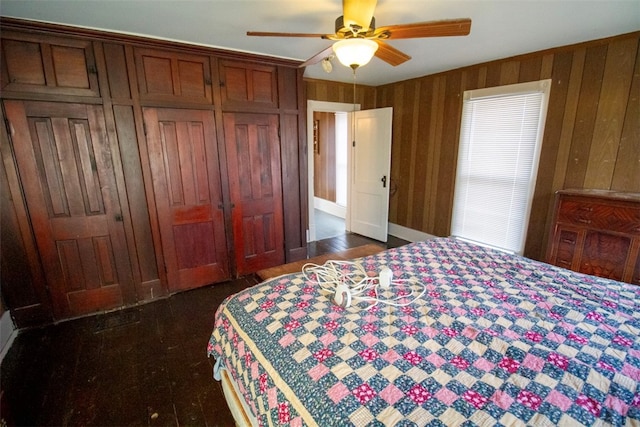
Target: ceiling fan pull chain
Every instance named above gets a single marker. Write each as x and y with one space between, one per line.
353 118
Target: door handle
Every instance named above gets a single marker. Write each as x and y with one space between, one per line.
384 181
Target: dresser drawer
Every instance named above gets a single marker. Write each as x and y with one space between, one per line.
597 232
566 248
623 219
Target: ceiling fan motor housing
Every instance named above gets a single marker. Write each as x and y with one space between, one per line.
354 30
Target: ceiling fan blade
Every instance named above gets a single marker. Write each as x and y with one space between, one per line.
450 27
358 12
317 57
270 34
390 54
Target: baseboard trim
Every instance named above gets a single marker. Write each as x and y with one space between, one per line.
330 207
408 233
8 333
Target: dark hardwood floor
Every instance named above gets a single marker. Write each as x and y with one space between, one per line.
145 365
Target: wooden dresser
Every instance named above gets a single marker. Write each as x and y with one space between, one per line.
597 232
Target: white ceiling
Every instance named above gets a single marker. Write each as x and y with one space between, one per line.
500 28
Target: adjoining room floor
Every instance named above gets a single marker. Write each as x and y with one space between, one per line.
144 365
328 225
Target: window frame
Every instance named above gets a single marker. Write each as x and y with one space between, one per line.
542 87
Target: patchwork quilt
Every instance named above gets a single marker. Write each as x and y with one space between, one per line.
495 339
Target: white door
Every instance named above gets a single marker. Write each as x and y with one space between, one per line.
368 206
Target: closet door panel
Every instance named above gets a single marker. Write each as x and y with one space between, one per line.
245 84
186 183
173 77
253 161
53 65
65 164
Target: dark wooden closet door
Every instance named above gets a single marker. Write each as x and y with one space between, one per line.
253 161
66 168
186 183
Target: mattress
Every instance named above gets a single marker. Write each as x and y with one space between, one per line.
493 339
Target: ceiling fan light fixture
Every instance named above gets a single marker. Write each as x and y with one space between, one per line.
355 52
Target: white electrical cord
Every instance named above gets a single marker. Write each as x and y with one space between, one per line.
346 284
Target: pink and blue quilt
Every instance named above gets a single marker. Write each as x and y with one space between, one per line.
496 339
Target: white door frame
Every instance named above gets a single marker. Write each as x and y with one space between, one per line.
313 106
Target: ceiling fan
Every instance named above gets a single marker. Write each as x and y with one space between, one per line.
357 26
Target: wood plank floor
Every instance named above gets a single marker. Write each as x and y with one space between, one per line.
145 365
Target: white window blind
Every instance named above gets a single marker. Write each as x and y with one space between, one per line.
500 139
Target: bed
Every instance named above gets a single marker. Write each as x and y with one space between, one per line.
495 339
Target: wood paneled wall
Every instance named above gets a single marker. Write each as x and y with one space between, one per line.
324 157
119 77
323 90
591 139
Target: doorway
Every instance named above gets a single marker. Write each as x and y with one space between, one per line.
328 206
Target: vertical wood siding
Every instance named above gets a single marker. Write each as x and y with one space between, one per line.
324 158
324 90
591 138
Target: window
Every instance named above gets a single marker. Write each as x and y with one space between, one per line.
500 139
